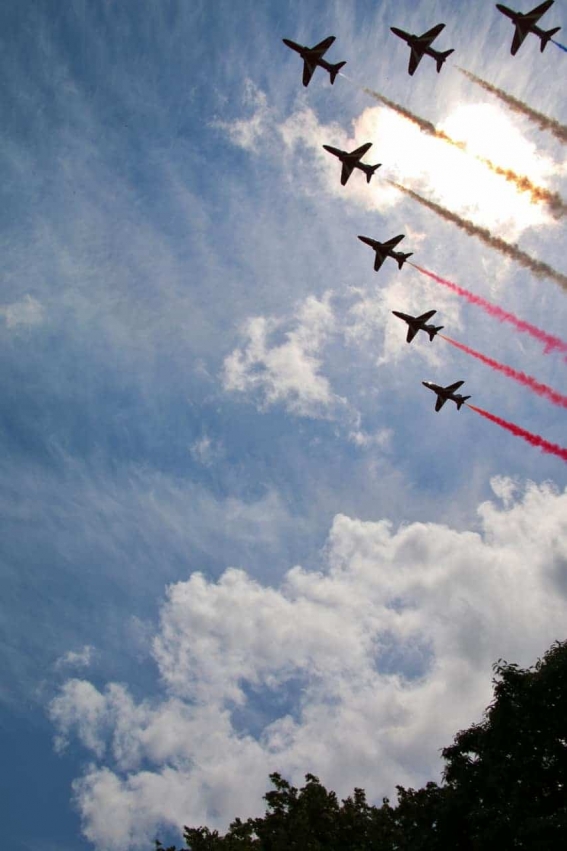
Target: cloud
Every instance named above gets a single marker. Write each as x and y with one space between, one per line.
286 372
457 179
206 451
79 659
359 672
27 311
247 132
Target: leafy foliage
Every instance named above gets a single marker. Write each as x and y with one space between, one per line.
504 787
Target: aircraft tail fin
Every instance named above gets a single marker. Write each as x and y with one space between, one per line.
401 258
334 70
370 171
461 402
442 57
433 331
545 36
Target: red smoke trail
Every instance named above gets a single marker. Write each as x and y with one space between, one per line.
526 380
550 342
534 439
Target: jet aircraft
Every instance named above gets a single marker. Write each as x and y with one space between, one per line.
444 393
313 56
421 44
526 23
351 161
386 249
418 323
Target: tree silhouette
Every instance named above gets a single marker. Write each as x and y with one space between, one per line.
504 787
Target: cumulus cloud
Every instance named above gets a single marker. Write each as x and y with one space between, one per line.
359 672
286 372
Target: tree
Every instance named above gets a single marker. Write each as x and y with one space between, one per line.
504 787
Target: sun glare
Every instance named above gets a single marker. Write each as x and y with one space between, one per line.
459 179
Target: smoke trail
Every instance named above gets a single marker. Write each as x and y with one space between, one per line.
538 267
523 184
534 439
558 44
526 380
424 125
542 121
550 342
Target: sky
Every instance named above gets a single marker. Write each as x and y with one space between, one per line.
236 537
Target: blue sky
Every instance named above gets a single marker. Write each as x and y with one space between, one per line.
233 524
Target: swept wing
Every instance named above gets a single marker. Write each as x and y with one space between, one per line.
346 171
378 260
452 387
320 49
359 153
425 316
426 39
308 71
391 243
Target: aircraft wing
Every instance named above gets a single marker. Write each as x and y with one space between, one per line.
411 333
414 60
308 71
534 16
391 243
359 153
452 387
426 39
425 316
439 403
321 48
518 39
379 259
346 172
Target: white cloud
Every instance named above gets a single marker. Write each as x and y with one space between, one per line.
452 177
364 440
27 311
76 659
206 451
359 673
246 132
286 372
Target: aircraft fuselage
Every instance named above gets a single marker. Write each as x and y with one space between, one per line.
520 18
445 393
413 41
417 324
